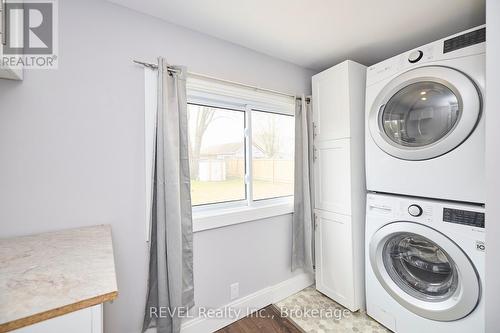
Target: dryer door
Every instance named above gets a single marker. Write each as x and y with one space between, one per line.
424 271
424 113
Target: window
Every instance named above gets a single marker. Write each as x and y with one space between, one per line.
216 154
226 168
241 147
272 155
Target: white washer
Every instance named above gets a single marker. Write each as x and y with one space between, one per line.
424 124
424 264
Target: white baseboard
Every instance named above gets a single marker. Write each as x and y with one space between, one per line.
254 301
291 286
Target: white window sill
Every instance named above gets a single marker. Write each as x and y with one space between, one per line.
223 217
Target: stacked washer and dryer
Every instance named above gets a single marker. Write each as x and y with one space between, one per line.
424 237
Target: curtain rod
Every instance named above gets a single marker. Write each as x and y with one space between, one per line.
174 70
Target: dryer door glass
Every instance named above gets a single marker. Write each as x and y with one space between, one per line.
424 113
420 267
420 114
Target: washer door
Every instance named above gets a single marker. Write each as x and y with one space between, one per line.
424 271
424 113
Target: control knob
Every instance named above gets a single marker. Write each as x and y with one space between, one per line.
415 210
415 56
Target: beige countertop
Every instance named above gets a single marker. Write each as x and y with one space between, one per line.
47 275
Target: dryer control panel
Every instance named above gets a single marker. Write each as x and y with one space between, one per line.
464 44
467 39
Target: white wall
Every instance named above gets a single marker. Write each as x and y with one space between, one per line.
492 166
72 150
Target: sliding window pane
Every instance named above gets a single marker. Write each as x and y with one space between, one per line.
272 153
216 154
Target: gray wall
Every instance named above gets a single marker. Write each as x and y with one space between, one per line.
71 147
492 166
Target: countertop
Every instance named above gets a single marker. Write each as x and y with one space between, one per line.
47 275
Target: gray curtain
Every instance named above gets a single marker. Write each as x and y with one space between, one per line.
302 225
170 283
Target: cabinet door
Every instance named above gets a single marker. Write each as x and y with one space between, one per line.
331 103
334 258
332 176
87 320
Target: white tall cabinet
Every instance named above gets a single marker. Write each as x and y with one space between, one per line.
339 178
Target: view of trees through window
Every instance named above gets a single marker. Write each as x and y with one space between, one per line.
272 155
218 157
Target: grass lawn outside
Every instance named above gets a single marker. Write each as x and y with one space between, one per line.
234 189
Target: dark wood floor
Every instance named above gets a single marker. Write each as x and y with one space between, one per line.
269 320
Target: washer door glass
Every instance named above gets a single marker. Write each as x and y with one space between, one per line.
424 271
420 267
420 114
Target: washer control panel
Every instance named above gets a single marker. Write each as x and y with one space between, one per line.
458 216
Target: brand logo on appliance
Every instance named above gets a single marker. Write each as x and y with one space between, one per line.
480 246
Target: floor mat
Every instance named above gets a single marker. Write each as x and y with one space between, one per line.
316 313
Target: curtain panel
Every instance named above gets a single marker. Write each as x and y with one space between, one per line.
302 224
170 282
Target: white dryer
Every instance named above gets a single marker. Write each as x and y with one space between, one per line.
424 124
424 264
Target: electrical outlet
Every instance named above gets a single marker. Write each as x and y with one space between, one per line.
235 290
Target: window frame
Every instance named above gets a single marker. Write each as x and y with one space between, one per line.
214 94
